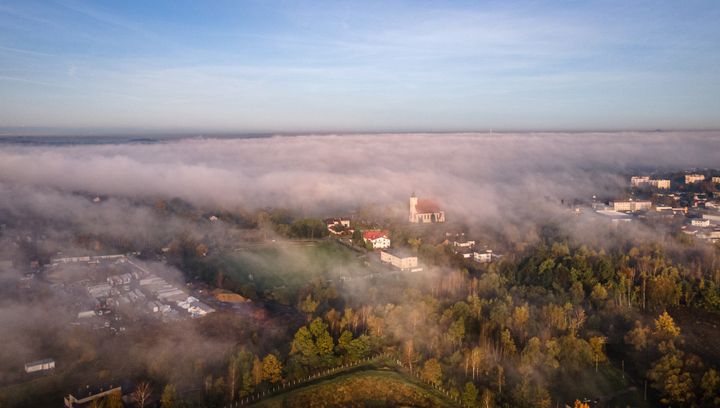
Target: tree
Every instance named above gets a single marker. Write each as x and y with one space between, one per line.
597 344
272 369
344 341
169 398
710 386
323 341
456 332
476 357
257 371
507 344
308 306
598 294
304 346
520 316
357 238
431 371
638 337
142 393
531 357
487 399
114 400
408 353
665 328
469 395
499 378
669 377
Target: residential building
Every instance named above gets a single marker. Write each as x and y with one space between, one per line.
637 181
483 257
40 365
338 226
662 184
400 260
694 178
615 216
423 210
716 180
631 206
378 239
700 222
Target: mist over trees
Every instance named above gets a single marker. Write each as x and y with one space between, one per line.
572 300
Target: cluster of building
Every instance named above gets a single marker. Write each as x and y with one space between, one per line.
338 226
400 259
706 227
469 249
117 287
638 181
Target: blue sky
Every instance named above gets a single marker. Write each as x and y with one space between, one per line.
291 66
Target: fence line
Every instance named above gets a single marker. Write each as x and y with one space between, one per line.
311 377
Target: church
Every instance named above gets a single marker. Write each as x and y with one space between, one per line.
423 210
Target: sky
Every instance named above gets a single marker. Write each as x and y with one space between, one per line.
321 66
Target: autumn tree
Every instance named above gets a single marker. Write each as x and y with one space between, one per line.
431 371
142 393
272 369
409 355
169 398
597 345
710 386
507 344
638 337
474 360
114 400
665 328
323 341
257 371
469 395
669 377
308 306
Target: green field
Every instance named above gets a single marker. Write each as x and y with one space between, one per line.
289 265
370 387
607 385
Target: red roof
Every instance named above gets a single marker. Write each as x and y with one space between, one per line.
425 206
373 235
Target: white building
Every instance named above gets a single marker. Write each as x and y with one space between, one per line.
378 239
425 211
694 178
483 257
662 184
637 181
199 309
631 206
400 260
700 222
40 365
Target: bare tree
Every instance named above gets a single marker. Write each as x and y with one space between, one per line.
142 393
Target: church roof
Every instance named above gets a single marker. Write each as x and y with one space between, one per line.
425 206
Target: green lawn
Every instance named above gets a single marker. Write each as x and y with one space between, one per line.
289 265
363 388
607 384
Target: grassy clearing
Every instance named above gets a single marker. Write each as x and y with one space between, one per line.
607 385
365 388
288 265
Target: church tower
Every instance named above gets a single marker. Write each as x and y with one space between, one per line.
413 208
